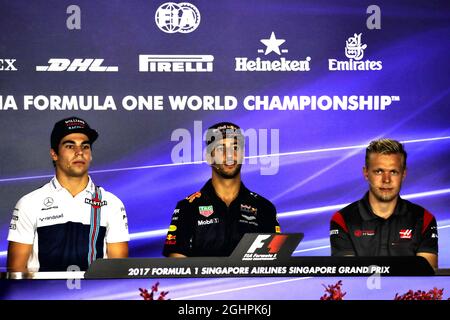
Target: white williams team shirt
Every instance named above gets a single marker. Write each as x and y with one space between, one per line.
66 230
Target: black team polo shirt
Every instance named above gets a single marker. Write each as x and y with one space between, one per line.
203 225
356 230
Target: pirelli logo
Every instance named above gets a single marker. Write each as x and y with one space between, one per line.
175 63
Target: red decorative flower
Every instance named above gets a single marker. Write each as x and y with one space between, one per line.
333 292
434 294
150 295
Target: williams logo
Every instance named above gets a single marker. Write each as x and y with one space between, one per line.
265 247
282 64
354 51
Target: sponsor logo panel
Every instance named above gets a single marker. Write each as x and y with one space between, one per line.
79 65
175 63
183 17
354 51
7 65
273 44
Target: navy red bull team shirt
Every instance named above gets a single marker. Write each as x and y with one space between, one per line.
203 225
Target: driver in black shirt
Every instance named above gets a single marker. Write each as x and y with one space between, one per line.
212 221
382 223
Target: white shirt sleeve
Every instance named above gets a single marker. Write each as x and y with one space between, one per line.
23 223
117 225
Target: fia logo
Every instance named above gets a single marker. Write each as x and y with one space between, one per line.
180 17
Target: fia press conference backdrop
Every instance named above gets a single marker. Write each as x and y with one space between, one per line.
310 82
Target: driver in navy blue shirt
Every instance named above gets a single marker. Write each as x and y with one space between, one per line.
212 221
382 223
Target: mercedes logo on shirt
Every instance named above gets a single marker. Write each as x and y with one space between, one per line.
48 201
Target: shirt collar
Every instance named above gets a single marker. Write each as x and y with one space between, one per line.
208 189
366 211
90 188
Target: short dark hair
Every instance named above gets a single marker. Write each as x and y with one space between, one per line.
224 130
386 146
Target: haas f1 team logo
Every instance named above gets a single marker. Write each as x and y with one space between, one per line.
265 247
405 234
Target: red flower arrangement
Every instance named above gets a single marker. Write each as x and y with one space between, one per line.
434 294
333 292
150 295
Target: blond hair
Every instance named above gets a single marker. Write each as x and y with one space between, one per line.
386 146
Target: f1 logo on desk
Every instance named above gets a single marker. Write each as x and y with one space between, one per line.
265 247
